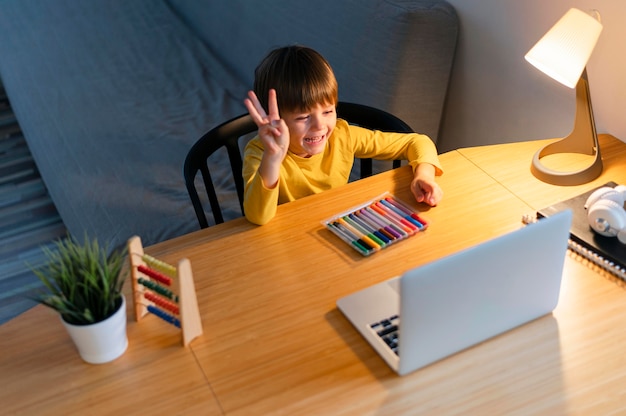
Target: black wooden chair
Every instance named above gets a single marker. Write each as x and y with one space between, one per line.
227 135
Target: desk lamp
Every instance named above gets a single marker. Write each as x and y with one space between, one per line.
562 53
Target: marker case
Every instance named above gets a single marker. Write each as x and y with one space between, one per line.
376 224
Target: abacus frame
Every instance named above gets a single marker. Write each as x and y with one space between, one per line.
182 285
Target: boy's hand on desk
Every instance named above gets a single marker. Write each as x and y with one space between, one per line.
424 187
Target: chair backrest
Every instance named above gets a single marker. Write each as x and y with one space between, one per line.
228 134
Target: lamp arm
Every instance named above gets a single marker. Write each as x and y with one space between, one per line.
583 139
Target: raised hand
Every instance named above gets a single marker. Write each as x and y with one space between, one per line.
274 135
273 131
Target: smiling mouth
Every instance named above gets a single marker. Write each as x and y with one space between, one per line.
314 140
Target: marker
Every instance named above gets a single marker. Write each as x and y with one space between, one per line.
402 214
365 233
366 218
363 238
395 224
368 227
386 212
408 221
348 239
363 214
355 237
390 227
407 210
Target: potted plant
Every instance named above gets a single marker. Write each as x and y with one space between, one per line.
83 283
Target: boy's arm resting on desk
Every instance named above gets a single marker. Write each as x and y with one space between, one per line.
414 147
418 149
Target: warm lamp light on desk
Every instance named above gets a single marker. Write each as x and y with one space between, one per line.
562 53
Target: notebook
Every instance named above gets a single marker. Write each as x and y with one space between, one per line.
463 299
605 252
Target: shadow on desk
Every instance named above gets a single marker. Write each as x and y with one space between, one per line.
520 369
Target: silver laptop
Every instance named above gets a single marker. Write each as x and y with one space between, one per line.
443 307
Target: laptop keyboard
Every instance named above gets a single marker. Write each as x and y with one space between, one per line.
387 329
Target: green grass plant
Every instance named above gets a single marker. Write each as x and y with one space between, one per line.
83 281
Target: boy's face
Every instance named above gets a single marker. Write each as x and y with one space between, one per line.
309 131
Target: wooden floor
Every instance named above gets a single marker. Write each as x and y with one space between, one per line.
28 218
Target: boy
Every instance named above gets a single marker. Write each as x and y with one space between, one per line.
304 149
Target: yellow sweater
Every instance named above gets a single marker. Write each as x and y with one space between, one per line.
300 177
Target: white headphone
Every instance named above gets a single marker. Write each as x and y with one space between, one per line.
605 212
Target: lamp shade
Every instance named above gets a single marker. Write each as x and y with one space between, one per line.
564 50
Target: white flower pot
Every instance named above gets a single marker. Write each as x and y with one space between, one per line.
103 341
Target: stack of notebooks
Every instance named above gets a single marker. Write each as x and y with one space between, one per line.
606 252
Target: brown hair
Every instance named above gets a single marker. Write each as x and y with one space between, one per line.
301 77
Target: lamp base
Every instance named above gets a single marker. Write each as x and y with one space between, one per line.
561 178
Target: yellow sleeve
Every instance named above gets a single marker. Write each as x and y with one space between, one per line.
414 147
259 202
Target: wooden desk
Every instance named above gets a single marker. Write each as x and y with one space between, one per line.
510 166
274 342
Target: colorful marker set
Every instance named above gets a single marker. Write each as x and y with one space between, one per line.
376 224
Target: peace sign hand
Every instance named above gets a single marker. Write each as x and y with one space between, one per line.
273 131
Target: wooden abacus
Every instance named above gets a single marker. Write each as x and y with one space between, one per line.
164 290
